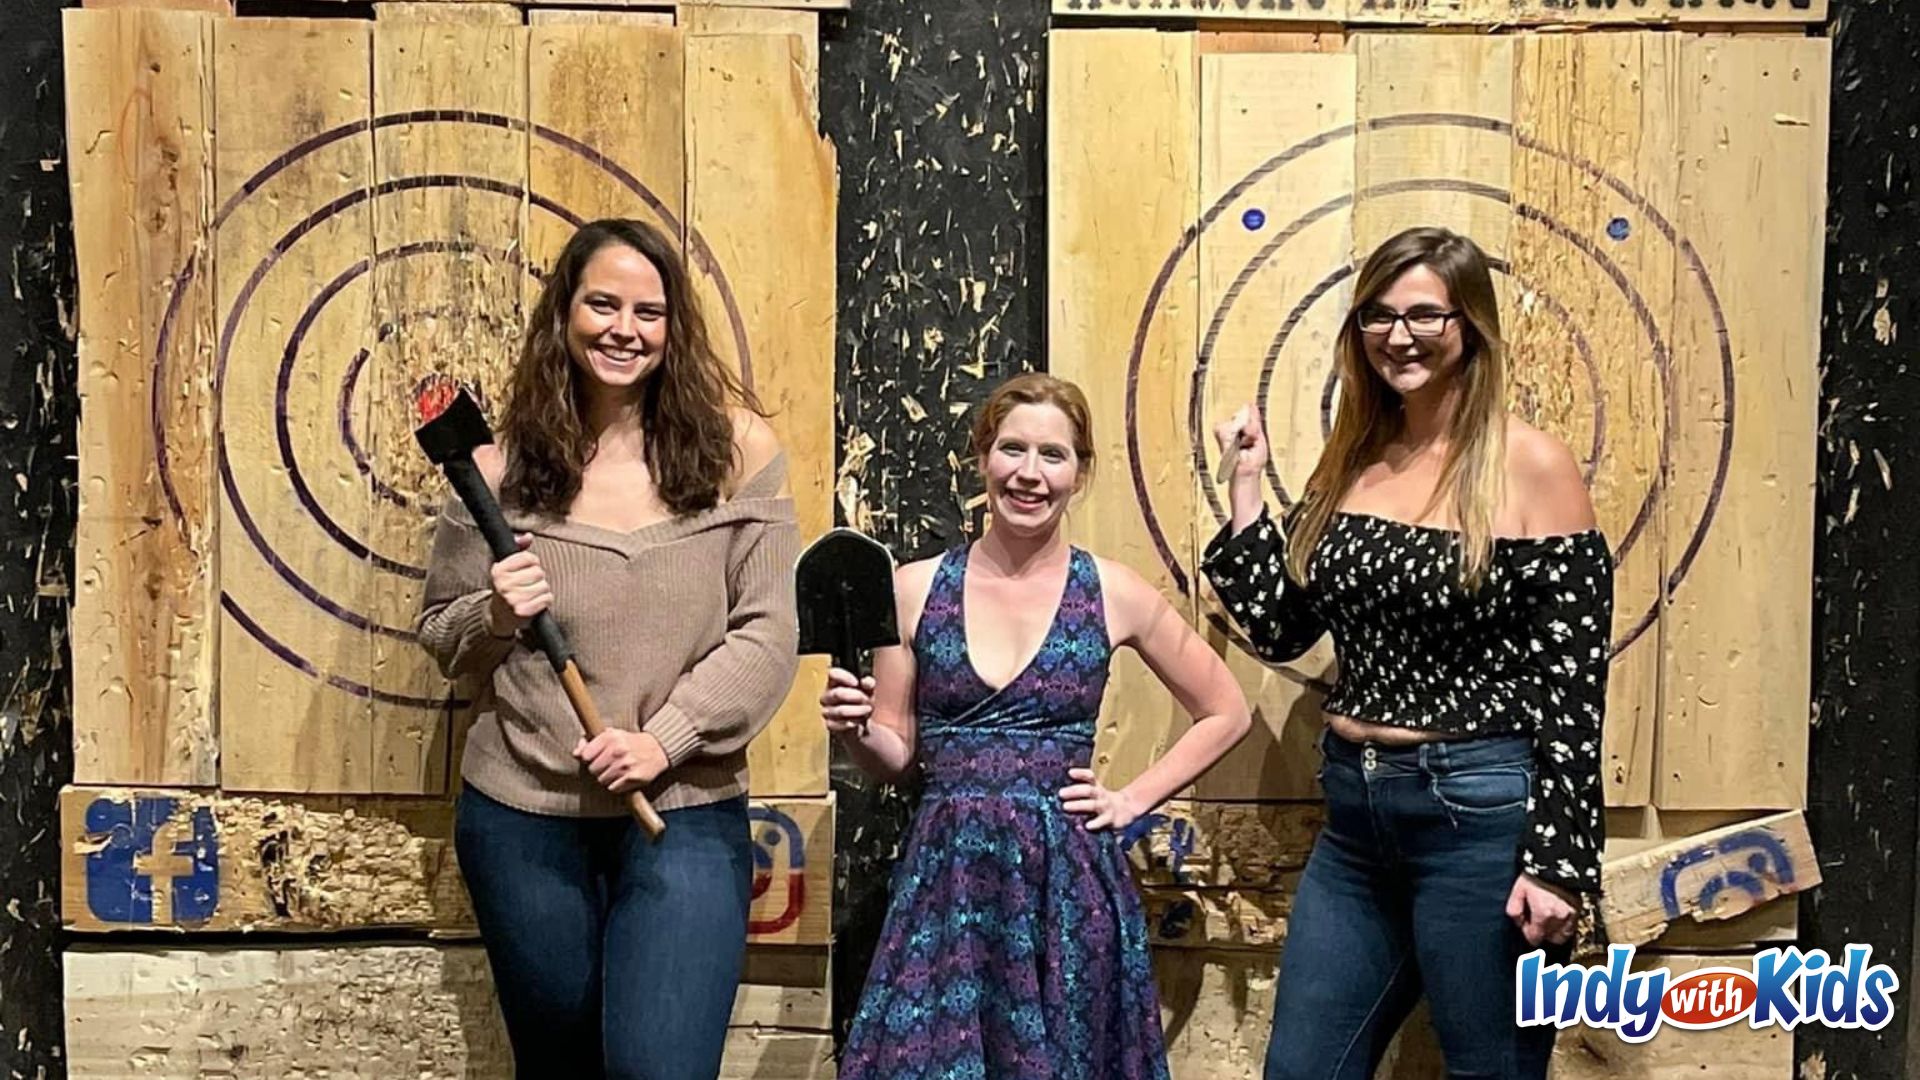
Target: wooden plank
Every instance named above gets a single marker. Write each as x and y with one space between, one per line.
187 860
709 19
283 1012
793 872
211 7
1413 169
1735 1052
1595 167
1244 845
596 17
1636 830
665 5
1737 670
1124 103
754 158
1207 918
1555 14
295 632
1458 13
447 301
203 861
1248 10
139 117
1714 875
440 12
612 94
1220 875
1330 38
1277 176
364 1011
787 1055
1217 1010
785 987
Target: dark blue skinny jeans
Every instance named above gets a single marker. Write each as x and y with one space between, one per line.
612 956
1405 894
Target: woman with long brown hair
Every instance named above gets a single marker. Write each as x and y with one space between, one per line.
1451 551
655 524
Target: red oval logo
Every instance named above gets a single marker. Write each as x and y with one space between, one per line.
1709 998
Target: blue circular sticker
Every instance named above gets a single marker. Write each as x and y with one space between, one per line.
1253 219
1618 228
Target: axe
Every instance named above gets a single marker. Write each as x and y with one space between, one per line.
843 588
452 426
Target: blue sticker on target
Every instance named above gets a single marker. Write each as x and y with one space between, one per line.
1254 219
1619 229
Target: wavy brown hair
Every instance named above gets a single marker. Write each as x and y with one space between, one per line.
1473 474
684 403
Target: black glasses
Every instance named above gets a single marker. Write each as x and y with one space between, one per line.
1421 322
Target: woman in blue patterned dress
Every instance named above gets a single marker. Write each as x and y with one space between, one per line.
1015 947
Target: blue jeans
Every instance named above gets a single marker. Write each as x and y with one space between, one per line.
612 956
1406 894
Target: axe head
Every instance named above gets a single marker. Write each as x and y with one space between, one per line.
843 586
453 424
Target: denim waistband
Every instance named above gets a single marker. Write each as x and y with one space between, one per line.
1431 758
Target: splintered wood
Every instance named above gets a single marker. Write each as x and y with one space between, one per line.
382 199
374 1011
1668 341
139 124
1648 329
200 861
1461 13
1121 103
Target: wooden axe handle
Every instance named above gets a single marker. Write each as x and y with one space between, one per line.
589 713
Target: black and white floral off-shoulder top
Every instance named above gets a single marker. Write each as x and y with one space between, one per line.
1525 653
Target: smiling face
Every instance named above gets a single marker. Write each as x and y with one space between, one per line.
1410 364
1031 469
617 319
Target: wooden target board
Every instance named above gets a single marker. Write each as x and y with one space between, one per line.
1653 203
327 215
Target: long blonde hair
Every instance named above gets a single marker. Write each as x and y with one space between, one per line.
1369 416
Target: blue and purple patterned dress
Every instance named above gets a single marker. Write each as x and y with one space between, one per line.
1015 947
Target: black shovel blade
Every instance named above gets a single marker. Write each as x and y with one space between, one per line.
843 586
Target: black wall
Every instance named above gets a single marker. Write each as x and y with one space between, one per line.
1866 739
938 113
39 407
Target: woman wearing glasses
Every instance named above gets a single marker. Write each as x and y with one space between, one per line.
1451 551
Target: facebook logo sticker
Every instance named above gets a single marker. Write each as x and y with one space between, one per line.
149 869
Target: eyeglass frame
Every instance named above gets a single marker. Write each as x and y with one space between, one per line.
1401 317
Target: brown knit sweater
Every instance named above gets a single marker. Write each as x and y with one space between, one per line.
684 628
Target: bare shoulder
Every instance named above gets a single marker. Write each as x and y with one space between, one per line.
1120 581
911 583
1132 602
493 465
1543 473
915 578
755 445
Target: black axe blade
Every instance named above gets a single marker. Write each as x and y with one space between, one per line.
456 431
843 586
